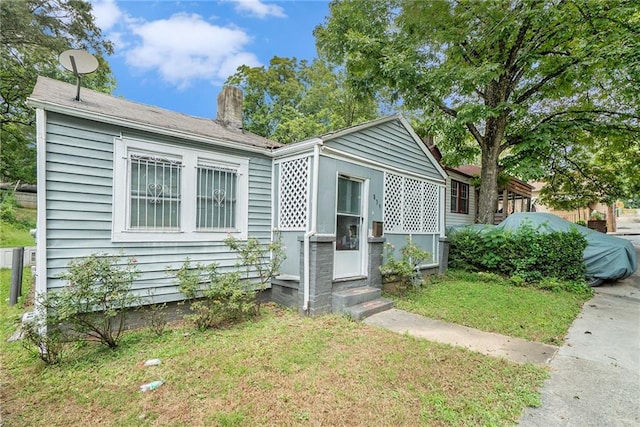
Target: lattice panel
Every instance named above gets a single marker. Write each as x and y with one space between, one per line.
410 205
392 202
413 205
431 201
293 191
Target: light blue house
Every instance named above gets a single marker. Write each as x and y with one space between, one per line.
117 176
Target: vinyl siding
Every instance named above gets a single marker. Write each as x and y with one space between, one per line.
389 143
79 199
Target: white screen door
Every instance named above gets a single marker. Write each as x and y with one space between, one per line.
348 250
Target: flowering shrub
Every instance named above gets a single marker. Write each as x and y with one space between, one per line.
94 304
219 299
404 269
215 299
265 260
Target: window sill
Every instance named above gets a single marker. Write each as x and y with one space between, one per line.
175 236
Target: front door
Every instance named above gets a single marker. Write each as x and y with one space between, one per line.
348 251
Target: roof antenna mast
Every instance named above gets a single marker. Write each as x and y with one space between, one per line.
79 62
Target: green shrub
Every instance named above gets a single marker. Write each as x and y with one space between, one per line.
94 304
264 260
156 318
405 269
215 299
10 212
526 253
49 345
581 222
8 207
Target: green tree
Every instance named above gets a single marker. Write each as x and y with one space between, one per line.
291 100
514 77
597 169
34 33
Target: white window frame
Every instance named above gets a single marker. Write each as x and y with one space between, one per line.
191 159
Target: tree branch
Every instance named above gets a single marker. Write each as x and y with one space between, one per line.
511 59
447 110
476 134
536 87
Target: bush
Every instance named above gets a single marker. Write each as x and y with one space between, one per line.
216 299
94 303
9 212
48 345
264 260
526 253
8 207
406 268
156 318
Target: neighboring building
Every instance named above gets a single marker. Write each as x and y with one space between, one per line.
462 194
461 207
514 197
117 176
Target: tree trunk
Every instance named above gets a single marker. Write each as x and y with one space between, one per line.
488 198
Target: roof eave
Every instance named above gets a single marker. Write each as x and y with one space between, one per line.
118 121
296 148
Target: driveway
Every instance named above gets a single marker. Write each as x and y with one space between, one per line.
595 376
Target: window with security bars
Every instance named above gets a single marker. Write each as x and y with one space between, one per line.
216 198
410 205
171 193
459 197
154 193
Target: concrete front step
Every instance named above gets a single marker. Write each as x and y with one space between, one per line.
349 297
366 309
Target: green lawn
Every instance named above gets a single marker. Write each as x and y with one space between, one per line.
490 303
281 369
17 234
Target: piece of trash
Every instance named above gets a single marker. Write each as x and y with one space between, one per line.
186 334
151 386
588 332
152 362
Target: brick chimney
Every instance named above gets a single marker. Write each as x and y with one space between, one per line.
230 107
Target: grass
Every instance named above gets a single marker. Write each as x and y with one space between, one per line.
490 303
16 234
281 369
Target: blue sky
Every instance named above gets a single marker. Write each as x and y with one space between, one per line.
177 54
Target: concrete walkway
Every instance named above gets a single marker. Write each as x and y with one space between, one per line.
514 349
595 377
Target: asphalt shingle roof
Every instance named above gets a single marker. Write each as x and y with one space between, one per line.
50 92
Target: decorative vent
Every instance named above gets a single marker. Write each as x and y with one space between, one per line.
410 205
293 191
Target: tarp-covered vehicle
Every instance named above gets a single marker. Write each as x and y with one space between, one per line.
606 257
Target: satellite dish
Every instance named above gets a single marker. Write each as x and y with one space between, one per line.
80 62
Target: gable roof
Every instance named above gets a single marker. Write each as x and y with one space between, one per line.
307 144
56 96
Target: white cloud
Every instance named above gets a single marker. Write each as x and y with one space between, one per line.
107 14
259 9
184 48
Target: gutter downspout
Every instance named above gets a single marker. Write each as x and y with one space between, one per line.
312 227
